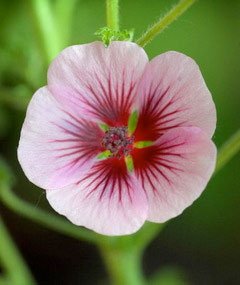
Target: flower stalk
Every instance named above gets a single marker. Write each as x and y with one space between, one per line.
164 22
123 265
123 255
112 10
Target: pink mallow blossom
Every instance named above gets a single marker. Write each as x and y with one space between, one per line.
153 173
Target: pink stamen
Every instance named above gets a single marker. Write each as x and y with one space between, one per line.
117 141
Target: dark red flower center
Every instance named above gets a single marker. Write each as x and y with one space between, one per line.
118 142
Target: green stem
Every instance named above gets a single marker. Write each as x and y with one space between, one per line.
112 8
147 233
43 218
123 255
158 27
46 27
12 261
230 148
123 265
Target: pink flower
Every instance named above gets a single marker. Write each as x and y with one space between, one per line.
61 140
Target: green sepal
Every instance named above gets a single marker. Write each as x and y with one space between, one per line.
104 127
105 154
108 35
129 163
143 144
132 122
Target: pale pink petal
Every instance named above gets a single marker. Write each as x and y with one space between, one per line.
55 147
175 171
107 200
97 80
172 93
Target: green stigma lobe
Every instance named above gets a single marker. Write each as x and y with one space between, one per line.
143 144
132 122
105 154
103 127
129 163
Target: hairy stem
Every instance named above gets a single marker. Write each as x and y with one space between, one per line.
112 8
11 260
166 20
43 218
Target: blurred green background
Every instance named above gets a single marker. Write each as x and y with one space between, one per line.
204 242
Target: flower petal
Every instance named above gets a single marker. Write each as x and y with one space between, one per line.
172 93
97 80
55 147
107 200
175 171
